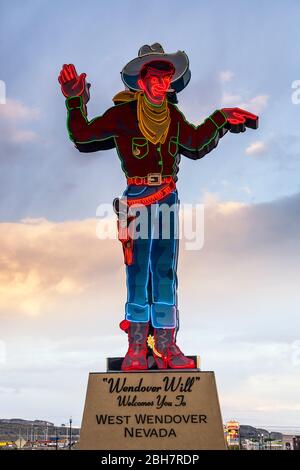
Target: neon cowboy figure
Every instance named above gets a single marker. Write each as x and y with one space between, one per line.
149 133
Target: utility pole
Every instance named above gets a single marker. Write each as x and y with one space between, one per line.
70 434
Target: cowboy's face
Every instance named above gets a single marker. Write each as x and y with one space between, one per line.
155 84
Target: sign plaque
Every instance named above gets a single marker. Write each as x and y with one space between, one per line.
158 410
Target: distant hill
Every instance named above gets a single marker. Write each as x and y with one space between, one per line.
36 422
248 432
12 429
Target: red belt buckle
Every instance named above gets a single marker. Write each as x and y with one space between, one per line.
154 179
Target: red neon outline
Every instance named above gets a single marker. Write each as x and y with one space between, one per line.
155 84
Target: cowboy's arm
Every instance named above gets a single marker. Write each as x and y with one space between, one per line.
89 136
196 141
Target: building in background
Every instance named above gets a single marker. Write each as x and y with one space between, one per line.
232 434
21 433
290 442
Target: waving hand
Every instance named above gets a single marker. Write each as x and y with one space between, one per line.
73 84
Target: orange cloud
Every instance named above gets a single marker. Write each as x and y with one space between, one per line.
246 249
43 260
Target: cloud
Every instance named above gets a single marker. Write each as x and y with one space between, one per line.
43 261
15 110
21 136
14 114
255 105
226 76
245 189
256 148
229 99
213 204
252 226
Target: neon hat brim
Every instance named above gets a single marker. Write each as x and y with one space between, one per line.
131 71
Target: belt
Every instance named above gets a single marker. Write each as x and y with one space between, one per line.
157 196
152 179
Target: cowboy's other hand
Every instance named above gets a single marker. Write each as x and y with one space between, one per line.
73 84
238 119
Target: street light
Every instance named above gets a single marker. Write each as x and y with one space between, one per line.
260 441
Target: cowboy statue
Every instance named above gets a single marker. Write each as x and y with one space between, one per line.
150 133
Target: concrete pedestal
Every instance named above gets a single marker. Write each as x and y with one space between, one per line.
160 410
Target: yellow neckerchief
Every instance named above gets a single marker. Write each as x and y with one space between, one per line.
154 121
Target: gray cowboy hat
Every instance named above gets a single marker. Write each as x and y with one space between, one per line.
180 79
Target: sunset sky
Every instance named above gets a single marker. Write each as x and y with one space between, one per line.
62 290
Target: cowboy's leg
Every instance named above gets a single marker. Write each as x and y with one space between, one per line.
163 263
137 307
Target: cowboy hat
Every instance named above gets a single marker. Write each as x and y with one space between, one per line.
179 59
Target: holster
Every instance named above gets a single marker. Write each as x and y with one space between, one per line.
125 227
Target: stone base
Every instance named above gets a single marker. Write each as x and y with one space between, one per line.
158 410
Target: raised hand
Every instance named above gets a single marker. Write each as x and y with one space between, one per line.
238 119
73 84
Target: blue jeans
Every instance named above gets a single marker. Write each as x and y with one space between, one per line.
152 278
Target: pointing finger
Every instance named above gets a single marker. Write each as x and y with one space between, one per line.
250 119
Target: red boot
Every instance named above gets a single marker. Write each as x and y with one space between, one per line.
167 354
136 356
